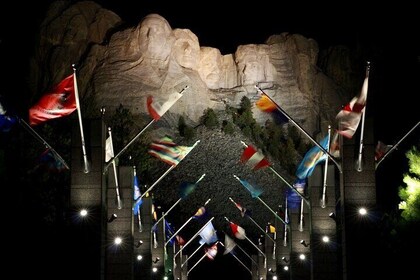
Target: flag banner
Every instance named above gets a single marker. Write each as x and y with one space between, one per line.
186 189
157 106
109 149
167 151
381 149
208 234
169 231
255 191
335 145
211 251
244 211
293 199
6 121
59 102
229 245
312 157
271 228
136 195
180 240
237 231
266 105
349 117
201 214
253 158
50 161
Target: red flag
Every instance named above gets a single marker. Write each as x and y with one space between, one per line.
381 149
157 107
237 231
254 158
350 116
60 102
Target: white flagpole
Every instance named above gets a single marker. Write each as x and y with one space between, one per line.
255 223
302 130
324 185
79 114
301 216
114 165
190 256
359 167
286 218
37 136
396 145
221 243
188 272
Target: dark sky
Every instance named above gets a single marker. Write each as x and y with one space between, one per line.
384 34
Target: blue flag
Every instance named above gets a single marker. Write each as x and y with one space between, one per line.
137 194
49 161
185 189
169 231
6 121
312 157
255 191
208 234
293 199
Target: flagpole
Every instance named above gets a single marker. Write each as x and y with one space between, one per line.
252 220
359 167
188 272
324 185
268 207
138 212
221 243
284 180
114 165
302 130
192 238
37 136
192 217
165 255
199 247
176 203
286 218
250 241
396 145
79 114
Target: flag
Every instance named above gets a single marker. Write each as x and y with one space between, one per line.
180 240
136 196
157 107
293 199
6 121
169 232
208 234
59 102
265 104
167 151
201 214
271 228
109 149
185 189
381 149
50 161
244 211
253 158
312 157
229 245
237 231
335 145
255 191
349 117
211 251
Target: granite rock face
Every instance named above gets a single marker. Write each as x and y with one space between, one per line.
126 65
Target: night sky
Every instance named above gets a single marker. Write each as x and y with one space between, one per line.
385 35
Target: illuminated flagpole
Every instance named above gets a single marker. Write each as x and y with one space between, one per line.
175 204
252 220
191 239
192 217
286 218
114 165
221 243
302 130
188 272
37 136
79 114
190 256
250 241
396 145
284 180
137 136
324 185
359 167
166 173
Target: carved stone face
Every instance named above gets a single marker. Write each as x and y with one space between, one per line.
251 64
155 37
210 66
186 49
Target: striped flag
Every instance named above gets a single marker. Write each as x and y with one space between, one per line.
253 158
265 104
255 191
211 251
244 211
237 231
157 107
167 151
312 157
